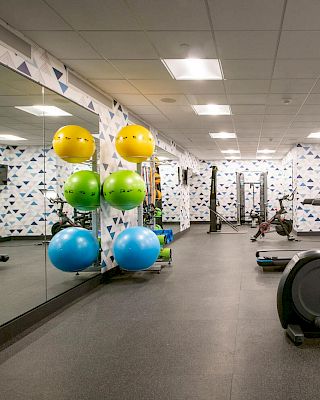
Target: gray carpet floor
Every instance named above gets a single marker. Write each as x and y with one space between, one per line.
206 328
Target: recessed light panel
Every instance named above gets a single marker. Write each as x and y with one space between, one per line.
11 137
233 158
44 111
223 135
194 68
230 151
211 109
264 158
266 151
314 135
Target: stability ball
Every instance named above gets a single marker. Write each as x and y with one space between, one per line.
135 143
73 144
136 248
73 249
124 189
82 190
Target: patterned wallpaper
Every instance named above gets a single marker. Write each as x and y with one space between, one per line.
171 192
23 208
227 188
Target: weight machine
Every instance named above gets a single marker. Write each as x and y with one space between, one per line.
260 214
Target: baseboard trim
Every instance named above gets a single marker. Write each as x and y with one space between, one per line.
17 326
307 233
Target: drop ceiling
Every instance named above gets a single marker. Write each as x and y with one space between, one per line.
269 52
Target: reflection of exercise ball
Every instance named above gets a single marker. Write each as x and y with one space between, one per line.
135 143
74 144
82 190
73 249
124 189
136 248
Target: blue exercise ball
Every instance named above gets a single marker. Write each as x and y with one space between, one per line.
136 248
73 249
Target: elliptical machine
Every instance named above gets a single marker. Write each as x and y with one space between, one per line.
298 297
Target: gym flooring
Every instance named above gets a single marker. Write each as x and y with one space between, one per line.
205 328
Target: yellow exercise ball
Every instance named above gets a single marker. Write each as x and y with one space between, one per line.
74 144
135 143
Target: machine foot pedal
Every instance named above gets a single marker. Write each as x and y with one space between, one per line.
295 334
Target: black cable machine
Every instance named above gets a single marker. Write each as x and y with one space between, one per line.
215 217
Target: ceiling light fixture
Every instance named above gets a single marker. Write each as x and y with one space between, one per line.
222 135
314 135
211 109
230 151
44 111
233 158
11 137
266 151
193 68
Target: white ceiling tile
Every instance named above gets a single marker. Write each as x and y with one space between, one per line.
310 109
157 86
302 15
145 110
247 98
181 100
277 120
247 109
296 69
247 69
299 44
132 100
183 44
313 98
93 69
304 125
243 86
246 15
278 99
283 110
95 14
31 15
142 69
201 87
115 86
285 86
207 98
254 119
307 118
165 15
63 44
246 44
120 45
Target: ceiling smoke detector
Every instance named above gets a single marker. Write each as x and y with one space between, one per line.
287 101
168 100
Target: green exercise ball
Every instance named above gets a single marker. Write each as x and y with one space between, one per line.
124 190
82 190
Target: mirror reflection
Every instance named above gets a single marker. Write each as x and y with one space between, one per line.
33 190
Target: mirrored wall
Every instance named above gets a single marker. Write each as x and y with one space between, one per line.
32 202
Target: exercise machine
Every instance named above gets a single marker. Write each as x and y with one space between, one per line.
283 226
215 221
298 297
80 219
243 196
269 260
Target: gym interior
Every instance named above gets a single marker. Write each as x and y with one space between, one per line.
159 199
